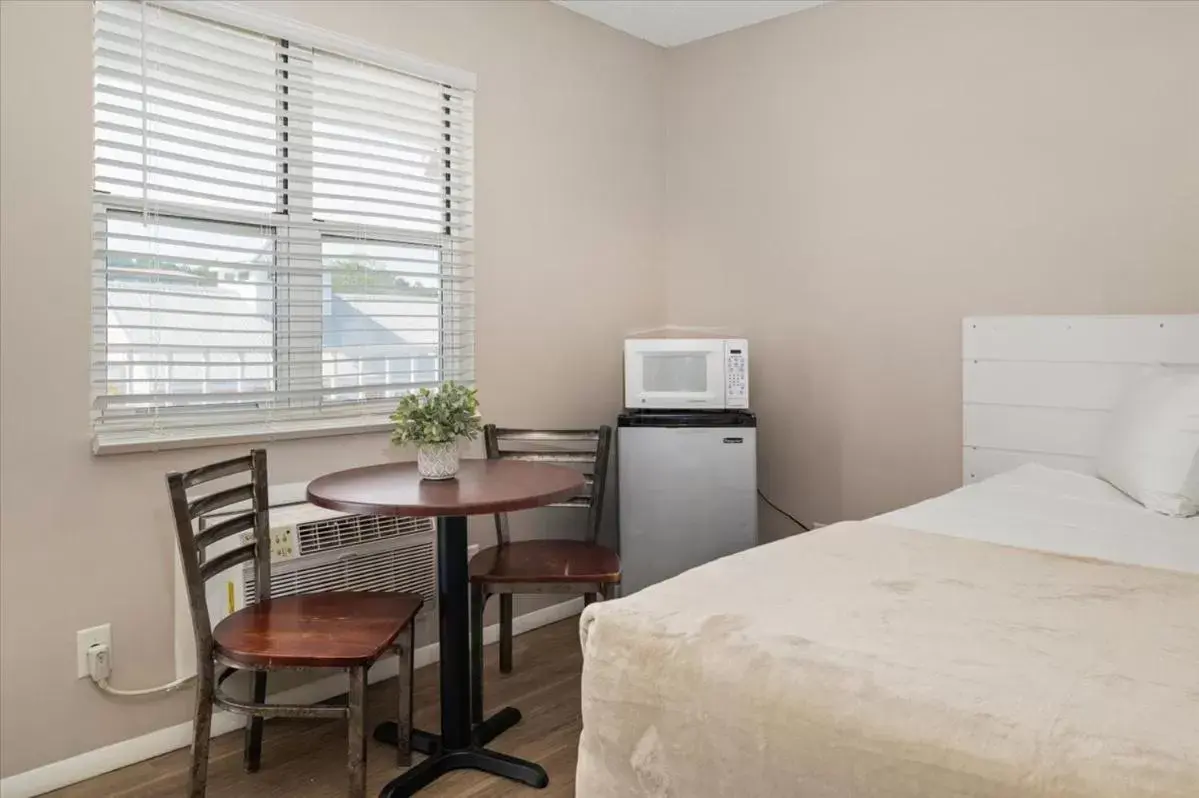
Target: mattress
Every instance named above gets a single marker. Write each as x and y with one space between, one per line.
1063 512
866 659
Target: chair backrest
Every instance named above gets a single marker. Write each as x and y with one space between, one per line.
588 448
198 568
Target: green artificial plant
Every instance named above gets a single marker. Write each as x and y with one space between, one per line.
441 415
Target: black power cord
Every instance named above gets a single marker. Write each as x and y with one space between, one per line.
784 513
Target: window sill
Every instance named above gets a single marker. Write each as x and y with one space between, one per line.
129 444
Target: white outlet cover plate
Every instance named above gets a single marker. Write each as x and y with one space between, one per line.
85 639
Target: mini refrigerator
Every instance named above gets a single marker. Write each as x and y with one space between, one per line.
687 490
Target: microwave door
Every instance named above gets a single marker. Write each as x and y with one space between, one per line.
681 378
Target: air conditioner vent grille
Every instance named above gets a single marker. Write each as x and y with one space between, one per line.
409 569
353 530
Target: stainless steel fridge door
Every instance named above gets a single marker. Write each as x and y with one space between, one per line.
687 496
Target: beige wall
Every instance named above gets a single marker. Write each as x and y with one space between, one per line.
569 192
847 183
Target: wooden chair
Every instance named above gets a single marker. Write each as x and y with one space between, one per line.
347 630
542 566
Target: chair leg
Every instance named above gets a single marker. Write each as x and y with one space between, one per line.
610 590
197 777
253 749
478 602
405 644
356 715
505 633
589 598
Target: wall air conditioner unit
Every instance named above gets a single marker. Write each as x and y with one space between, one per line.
315 550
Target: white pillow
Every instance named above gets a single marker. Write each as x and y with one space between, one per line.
1151 450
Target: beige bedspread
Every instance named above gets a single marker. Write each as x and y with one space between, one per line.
865 660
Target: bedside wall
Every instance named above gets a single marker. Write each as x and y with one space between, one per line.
847 183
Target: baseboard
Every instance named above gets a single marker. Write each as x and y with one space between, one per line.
127 752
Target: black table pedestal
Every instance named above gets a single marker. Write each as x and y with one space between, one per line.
460 744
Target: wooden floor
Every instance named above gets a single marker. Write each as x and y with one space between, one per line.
306 759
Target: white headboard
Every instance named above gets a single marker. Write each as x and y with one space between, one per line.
1039 389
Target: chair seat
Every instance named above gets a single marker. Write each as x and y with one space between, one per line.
323 630
564 561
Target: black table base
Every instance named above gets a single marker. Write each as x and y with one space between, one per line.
474 757
460 745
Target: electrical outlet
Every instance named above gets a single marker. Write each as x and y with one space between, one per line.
284 543
85 639
472 550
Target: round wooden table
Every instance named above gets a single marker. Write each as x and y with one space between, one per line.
481 487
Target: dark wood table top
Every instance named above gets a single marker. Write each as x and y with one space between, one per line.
481 487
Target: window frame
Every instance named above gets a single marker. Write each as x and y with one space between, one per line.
295 222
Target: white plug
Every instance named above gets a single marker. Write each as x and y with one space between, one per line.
99 663
99 667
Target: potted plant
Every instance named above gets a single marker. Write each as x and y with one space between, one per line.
434 420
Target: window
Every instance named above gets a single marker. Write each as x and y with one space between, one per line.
282 228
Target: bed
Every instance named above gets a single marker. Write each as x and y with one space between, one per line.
898 657
1034 633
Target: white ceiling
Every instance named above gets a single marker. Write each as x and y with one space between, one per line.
672 22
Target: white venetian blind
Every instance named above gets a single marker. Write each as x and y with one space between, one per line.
282 230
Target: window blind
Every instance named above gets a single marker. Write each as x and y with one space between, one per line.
282 231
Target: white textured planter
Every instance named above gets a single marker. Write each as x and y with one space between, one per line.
437 460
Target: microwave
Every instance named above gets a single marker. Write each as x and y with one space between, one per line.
686 373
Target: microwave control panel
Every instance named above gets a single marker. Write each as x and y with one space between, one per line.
736 373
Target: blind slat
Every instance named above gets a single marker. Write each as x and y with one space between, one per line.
200 101
193 243
269 145
434 207
370 217
194 399
276 162
323 153
183 215
253 370
297 269
431 118
342 330
270 52
102 363
434 211
269 349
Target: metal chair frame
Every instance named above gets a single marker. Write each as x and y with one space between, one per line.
566 446
198 569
